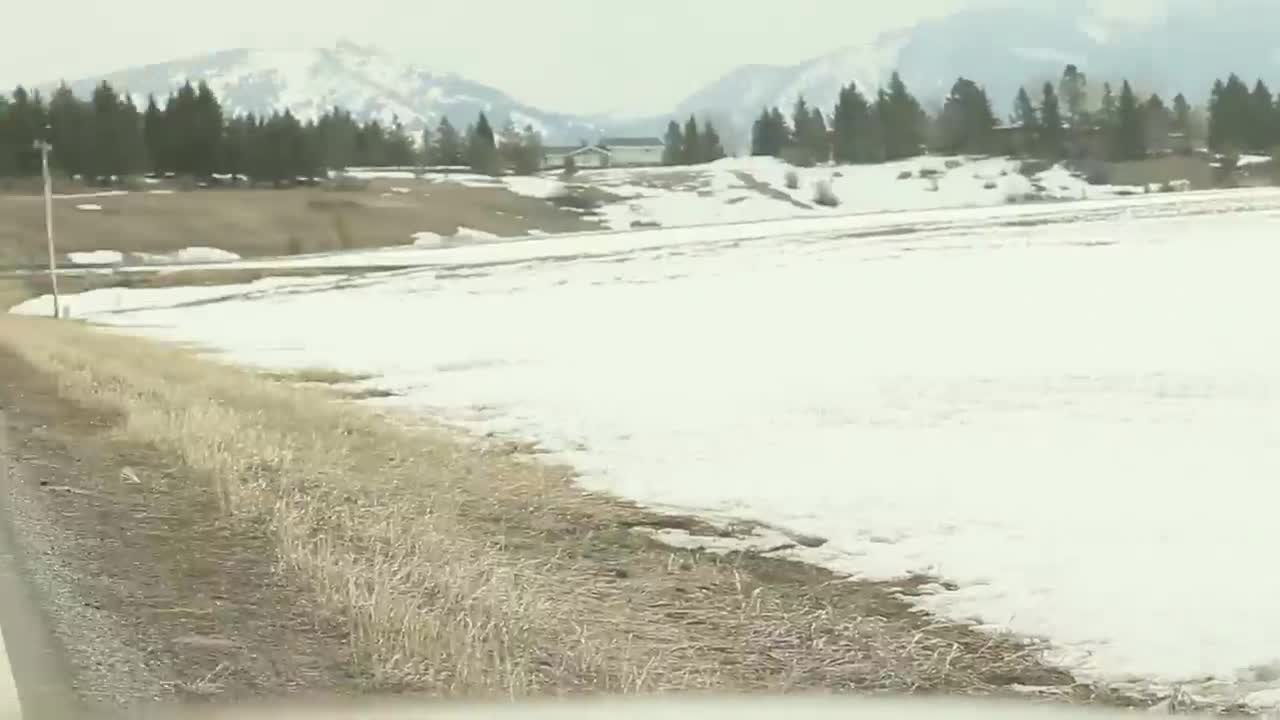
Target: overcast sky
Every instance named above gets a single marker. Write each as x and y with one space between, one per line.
568 55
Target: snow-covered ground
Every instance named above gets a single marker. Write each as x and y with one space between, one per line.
1075 423
755 188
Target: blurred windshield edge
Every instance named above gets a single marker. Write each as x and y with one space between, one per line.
700 707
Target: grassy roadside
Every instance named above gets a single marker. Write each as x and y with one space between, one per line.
462 569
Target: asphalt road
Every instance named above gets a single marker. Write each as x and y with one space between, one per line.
34 681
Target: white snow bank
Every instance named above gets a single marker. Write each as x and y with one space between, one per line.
427 239
96 257
466 233
204 254
193 255
89 207
536 186
103 194
1247 160
1093 463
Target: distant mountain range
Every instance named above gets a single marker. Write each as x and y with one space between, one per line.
1006 48
369 83
1001 48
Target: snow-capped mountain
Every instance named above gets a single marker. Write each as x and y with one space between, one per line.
1183 48
369 83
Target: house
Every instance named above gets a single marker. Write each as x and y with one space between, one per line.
610 152
553 155
590 156
634 151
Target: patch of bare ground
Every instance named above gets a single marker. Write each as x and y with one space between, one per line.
768 190
263 222
441 564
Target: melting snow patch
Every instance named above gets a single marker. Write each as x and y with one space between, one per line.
204 255
466 233
96 257
427 239
401 190
89 207
188 255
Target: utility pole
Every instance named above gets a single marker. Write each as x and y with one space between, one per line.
44 147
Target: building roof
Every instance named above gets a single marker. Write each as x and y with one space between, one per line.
590 148
632 142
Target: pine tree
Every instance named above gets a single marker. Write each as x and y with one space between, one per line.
1262 120
182 126
1230 110
7 158
1074 92
70 131
855 133
1128 141
902 120
673 144
692 154
780 134
531 156
129 133
966 121
1181 114
819 144
760 135
24 122
153 135
449 150
482 148
424 146
1051 130
1108 114
712 147
1024 113
206 127
235 147
399 147
1157 123
105 158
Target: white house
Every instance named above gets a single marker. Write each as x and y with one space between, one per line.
553 155
610 152
634 151
590 156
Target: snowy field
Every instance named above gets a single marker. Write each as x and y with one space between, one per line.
1076 424
756 188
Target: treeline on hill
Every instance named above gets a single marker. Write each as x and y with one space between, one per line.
108 136
1060 122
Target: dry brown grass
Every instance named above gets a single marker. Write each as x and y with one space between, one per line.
255 223
462 569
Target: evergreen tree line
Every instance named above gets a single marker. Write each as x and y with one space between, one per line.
1241 120
190 134
892 124
692 145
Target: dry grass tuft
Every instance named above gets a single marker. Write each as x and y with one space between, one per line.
463 569
318 376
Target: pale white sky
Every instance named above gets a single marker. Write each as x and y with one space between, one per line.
566 55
